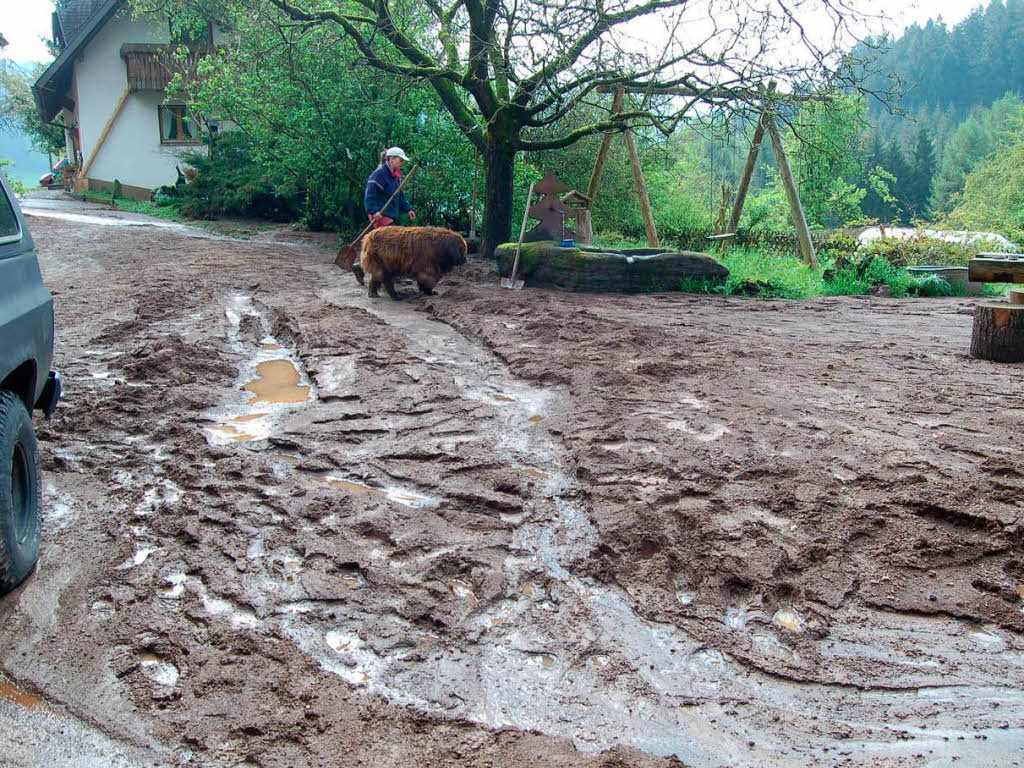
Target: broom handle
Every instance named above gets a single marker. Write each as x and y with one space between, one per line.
522 231
370 225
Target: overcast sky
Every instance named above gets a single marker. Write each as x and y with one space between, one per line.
24 22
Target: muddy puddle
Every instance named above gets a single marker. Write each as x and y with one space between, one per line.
270 376
277 383
10 692
404 496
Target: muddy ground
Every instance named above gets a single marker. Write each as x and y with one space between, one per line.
498 528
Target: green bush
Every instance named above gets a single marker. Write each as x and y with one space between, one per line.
765 273
227 182
921 250
16 185
866 271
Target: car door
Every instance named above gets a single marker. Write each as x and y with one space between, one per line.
26 306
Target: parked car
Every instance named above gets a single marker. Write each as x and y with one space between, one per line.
26 384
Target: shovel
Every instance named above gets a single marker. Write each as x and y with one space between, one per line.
510 282
348 257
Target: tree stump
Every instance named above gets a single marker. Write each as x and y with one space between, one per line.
998 332
1016 297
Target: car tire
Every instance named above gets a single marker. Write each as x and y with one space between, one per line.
20 493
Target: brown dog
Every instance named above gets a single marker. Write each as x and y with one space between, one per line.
426 254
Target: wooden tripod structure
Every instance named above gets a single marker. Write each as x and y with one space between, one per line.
767 122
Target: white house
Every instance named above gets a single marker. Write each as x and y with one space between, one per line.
108 86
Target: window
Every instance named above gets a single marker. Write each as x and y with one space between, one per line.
9 230
176 125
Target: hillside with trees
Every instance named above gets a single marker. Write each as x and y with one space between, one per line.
959 105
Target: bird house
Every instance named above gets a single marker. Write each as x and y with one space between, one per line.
579 207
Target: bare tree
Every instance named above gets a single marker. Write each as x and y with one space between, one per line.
510 70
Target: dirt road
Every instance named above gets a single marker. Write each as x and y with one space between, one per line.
288 526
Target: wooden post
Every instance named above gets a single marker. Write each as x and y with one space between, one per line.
795 207
641 192
83 174
998 333
606 142
748 173
1016 297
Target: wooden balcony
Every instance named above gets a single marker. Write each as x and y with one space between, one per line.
151 66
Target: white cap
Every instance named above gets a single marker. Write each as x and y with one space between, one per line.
397 152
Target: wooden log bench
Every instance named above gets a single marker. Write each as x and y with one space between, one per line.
996 268
998 332
546 264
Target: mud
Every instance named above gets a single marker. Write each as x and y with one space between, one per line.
502 527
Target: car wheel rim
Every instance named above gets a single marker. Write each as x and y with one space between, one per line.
21 488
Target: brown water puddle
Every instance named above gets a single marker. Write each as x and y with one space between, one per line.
233 434
536 418
271 347
504 399
18 696
537 474
228 431
248 417
277 382
346 485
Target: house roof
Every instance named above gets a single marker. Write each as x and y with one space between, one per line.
77 23
71 18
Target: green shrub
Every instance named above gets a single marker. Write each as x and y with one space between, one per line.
16 185
227 182
771 274
922 250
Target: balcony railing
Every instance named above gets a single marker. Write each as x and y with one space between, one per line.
151 66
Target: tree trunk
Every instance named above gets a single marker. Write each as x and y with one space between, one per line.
998 332
500 161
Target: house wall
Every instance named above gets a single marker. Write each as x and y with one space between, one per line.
131 151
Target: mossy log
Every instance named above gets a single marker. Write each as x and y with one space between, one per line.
548 265
998 332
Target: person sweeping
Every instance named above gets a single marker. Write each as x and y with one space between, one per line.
381 186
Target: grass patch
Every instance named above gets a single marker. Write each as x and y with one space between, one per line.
169 211
765 274
997 290
771 275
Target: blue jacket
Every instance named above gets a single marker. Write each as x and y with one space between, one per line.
379 187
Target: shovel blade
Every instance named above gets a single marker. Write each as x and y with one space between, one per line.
348 259
515 285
